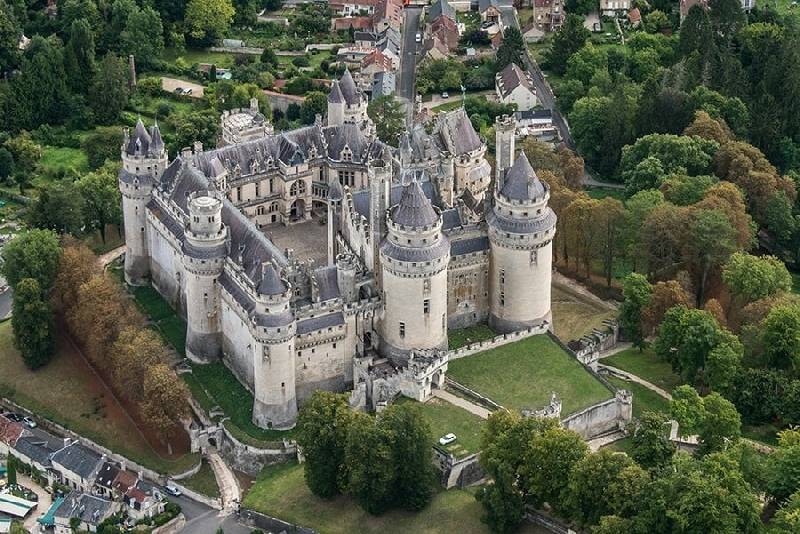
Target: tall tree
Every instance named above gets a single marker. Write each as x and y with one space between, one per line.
79 54
322 429
568 40
781 337
208 19
636 292
77 265
550 457
37 93
665 295
388 116
34 254
712 240
109 93
10 33
102 202
59 207
133 353
410 436
368 459
165 402
512 49
32 322
143 36
651 446
588 499
753 278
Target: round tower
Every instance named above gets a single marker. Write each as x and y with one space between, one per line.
346 268
336 106
273 329
414 259
335 195
521 230
505 129
204 251
144 159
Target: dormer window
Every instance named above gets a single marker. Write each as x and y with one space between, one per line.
347 154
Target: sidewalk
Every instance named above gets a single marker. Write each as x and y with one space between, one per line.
446 396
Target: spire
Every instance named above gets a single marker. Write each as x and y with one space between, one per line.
521 182
271 283
156 143
139 142
348 88
414 208
406 152
335 96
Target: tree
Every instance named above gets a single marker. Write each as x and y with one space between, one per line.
10 32
11 471
665 295
6 163
316 103
59 207
568 40
101 145
687 408
712 240
655 21
108 94
37 93
101 195
322 430
165 396
588 498
783 472
787 519
79 56
410 438
76 267
209 19
269 58
32 322
34 254
368 461
502 503
721 423
636 292
512 49
685 190
651 446
781 337
133 353
200 126
760 394
550 457
752 278
675 153
25 151
143 36
708 128
722 366
388 116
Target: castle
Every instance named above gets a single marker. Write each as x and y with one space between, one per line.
416 244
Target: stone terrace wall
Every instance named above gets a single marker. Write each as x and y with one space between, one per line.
498 341
267 523
601 418
251 460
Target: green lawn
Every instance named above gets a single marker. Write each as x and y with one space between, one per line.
281 491
203 482
604 192
63 158
524 374
645 365
644 400
222 387
447 106
623 445
192 56
445 418
171 327
471 334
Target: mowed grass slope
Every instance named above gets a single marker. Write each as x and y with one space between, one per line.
524 374
281 491
574 316
646 365
445 418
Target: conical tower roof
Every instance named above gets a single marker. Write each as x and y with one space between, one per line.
335 190
414 209
521 182
349 89
156 143
140 140
335 96
271 283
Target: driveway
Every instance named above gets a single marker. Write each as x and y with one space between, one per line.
202 519
42 506
170 84
408 59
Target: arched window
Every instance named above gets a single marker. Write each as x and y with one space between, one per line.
298 188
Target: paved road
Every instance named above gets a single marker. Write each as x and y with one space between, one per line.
408 59
202 519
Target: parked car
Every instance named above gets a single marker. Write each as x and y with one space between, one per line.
173 490
11 416
178 91
447 439
418 37
30 423
445 95
187 91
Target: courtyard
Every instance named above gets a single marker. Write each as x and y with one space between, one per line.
308 239
522 375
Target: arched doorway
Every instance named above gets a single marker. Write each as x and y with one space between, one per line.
298 210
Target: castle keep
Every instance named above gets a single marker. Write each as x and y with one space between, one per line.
416 244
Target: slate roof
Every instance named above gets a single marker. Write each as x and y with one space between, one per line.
451 219
335 96
319 323
521 182
456 133
327 282
361 198
271 283
79 459
416 254
90 509
383 83
37 448
534 114
349 90
467 246
441 8
512 77
335 191
107 475
139 141
364 36
414 209
483 5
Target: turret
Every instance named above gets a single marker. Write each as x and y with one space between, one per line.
335 196
273 328
414 258
204 252
521 231
346 277
144 159
380 180
505 129
336 106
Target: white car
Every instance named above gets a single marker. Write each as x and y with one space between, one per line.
445 95
418 37
447 439
30 423
173 490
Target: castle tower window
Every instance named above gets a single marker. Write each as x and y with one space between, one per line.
426 306
402 329
502 276
502 298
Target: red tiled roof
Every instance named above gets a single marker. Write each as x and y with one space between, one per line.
634 15
10 431
125 480
357 23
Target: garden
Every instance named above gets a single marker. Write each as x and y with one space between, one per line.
523 375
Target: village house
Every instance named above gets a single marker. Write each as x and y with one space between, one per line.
614 8
489 11
78 466
351 8
442 24
383 84
537 123
347 23
88 510
515 86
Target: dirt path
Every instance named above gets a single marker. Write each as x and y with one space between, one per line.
633 378
575 287
446 396
110 256
229 491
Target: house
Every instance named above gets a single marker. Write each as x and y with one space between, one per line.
125 480
548 15
388 43
88 510
352 8
364 38
356 23
36 447
489 11
78 466
635 17
434 48
383 84
614 8
532 34
374 63
537 123
352 56
388 14
441 8
104 483
515 86
442 24
144 500
15 506
10 432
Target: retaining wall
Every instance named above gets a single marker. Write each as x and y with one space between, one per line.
173 526
268 523
498 341
251 460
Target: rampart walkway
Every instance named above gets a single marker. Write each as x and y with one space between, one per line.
472 408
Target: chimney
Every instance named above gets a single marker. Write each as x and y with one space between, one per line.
198 147
132 69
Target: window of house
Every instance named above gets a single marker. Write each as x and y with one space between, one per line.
502 276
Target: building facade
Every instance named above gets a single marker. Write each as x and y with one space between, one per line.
416 245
